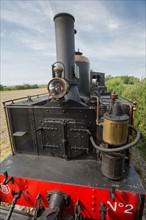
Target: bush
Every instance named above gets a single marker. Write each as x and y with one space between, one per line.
133 89
115 85
1 87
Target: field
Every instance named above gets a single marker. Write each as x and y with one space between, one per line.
5 148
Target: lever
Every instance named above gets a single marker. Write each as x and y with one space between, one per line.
6 179
112 193
102 211
12 206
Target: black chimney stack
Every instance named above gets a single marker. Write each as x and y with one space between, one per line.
65 50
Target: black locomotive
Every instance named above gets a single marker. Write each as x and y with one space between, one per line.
70 147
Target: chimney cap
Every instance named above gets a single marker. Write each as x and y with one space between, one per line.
63 14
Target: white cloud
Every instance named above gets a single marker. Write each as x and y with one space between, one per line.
28 14
33 44
113 25
102 35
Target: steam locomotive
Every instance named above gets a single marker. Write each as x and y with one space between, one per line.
71 147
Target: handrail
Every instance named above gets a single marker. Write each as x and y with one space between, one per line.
22 98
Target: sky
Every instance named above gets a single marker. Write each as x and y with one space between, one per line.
111 33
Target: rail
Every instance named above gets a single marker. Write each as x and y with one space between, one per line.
23 98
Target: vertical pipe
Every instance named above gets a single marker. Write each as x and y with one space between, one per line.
65 46
65 49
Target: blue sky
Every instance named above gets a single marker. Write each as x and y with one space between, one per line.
110 33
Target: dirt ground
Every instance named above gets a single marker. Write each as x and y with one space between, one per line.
5 148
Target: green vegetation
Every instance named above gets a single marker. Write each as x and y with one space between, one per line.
20 87
133 89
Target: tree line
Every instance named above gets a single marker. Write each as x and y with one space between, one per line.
20 87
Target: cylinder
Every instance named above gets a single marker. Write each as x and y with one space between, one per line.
113 165
65 46
115 129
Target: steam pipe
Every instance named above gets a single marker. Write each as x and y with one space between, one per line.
125 147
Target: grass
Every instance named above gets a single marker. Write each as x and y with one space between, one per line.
141 146
5 152
138 170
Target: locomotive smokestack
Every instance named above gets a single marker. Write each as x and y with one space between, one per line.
65 50
65 46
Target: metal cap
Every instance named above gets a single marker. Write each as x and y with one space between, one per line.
63 14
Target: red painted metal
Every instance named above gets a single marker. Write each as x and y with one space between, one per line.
125 206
